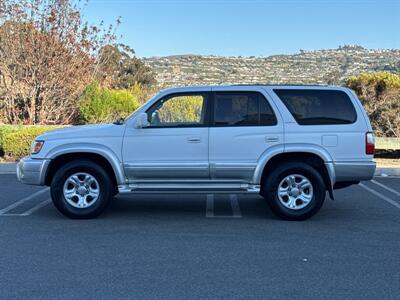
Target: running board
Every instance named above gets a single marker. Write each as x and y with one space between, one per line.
187 188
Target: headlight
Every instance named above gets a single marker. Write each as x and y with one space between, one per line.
36 147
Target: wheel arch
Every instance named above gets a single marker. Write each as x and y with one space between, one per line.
103 156
318 158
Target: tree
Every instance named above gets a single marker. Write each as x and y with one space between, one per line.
47 57
333 77
120 69
100 105
380 95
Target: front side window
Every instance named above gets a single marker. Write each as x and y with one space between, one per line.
178 110
318 107
242 109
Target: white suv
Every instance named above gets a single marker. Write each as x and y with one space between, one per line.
291 144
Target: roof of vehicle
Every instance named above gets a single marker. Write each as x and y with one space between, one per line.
269 85
255 86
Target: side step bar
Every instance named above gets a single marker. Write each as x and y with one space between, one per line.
187 188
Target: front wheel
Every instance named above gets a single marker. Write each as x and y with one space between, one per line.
81 189
294 191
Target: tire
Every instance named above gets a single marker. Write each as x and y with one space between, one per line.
295 202
88 187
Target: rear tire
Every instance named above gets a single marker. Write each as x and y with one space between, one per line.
294 191
81 189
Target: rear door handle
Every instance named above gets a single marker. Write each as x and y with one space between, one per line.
271 139
194 139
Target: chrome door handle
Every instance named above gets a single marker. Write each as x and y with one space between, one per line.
271 139
193 140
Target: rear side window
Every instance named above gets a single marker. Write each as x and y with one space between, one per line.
318 107
242 109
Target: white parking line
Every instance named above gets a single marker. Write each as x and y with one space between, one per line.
386 187
210 206
387 199
235 206
236 213
36 207
22 201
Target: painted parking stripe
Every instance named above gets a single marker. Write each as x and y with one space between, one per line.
36 207
386 187
29 211
387 199
22 201
235 206
236 213
210 206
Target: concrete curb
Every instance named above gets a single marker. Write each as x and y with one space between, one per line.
387 172
10 168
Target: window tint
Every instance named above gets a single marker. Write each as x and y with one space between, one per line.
178 110
318 107
267 116
242 109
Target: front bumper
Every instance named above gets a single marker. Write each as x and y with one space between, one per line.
32 170
354 171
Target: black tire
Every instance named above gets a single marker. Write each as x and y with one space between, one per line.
81 166
276 176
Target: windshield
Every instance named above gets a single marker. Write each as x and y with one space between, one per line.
140 108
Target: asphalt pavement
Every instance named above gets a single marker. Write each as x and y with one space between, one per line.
201 246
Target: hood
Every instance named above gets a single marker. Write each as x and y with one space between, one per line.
84 131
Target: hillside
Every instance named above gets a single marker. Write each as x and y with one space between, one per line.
329 66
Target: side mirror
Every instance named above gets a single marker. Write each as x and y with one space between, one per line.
142 121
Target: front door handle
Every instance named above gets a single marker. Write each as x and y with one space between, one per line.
270 139
193 139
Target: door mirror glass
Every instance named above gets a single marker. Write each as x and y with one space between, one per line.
141 121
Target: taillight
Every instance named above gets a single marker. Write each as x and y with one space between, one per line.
369 143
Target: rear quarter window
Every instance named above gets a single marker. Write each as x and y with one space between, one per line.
318 107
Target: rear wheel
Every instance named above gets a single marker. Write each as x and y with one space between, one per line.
81 189
294 191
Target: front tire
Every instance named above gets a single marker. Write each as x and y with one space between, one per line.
294 191
81 189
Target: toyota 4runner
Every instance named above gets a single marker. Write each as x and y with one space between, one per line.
291 144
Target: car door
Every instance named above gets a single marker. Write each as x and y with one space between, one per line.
175 144
244 126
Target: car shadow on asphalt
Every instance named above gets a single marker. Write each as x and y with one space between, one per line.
174 207
190 205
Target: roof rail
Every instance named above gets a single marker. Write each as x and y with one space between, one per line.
267 84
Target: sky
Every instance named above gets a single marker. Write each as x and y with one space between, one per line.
248 27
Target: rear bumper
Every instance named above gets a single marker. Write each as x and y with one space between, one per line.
354 171
32 170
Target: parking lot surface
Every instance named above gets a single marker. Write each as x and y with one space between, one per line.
201 246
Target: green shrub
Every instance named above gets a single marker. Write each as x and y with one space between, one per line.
17 142
100 105
380 93
4 130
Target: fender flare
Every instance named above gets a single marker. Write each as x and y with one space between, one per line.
295 147
102 150
263 160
